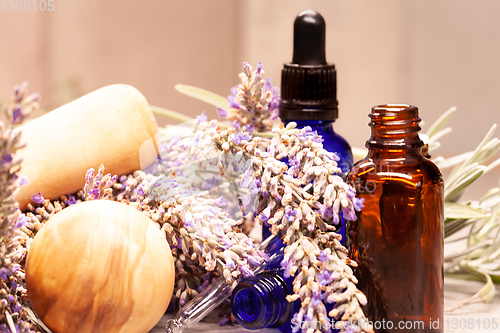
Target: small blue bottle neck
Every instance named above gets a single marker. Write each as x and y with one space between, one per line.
260 301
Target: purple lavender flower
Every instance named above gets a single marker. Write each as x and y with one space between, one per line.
246 271
197 138
4 273
38 199
89 175
205 284
140 190
253 261
210 183
202 118
221 202
325 277
332 156
226 242
247 69
222 112
235 124
327 213
322 256
230 263
349 213
294 165
71 200
308 134
245 201
249 128
315 300
259 67
231 101
358 203
255 186
240 136
245 180
6 159
330 214
21 221
95 193
173 141
275 114
275 101
266 213
234 91
290 213
188 221
23 181
268 85
17 114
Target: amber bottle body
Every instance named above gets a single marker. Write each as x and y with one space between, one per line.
397 239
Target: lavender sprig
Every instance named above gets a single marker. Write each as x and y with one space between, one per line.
98 186
254 102
13 230
306 222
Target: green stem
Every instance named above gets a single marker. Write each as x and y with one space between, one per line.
263 134
169 113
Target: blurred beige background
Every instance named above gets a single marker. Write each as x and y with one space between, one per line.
433 54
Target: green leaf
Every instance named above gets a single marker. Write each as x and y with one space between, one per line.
491 192
454 192
203 95
488 150
169 113
471 277
492 165
10 322
440 122
484 295
452 161
36 320
456 210
439 134
453 226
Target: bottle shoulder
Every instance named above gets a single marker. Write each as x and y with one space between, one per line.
417 168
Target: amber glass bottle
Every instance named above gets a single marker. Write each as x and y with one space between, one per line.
397 239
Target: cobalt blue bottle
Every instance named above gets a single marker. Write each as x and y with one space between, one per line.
309 92
260 301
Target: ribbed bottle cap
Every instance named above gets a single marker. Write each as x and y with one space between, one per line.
309 83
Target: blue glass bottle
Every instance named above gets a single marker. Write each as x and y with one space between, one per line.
260 301
309 92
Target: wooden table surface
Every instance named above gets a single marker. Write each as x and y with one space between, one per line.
470 319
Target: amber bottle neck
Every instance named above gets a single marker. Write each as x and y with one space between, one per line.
395 129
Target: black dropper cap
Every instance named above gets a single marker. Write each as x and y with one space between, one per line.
309 83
